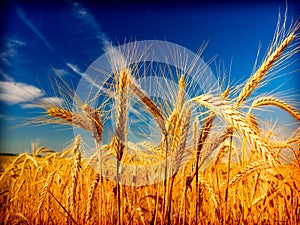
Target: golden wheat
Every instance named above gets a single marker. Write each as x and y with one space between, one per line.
152 107
256 78
49 187
95 122
234 118
266 101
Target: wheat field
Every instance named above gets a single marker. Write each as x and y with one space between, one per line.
226 167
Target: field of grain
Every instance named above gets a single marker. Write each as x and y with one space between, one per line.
226 168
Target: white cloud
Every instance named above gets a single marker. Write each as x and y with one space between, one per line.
53 101
13 92
31 25
27 95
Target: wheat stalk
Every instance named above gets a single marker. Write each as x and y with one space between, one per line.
183 134
118 142
298 144
154 110
253 123
204 133
258 165
179 154
256 78
68 117
75 175
91 194
222 151
265 101
174 123
180 94
211 192
95 122
233 117
45 189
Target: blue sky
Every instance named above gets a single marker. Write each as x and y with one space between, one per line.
35 38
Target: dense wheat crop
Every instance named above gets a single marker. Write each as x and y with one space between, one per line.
219 162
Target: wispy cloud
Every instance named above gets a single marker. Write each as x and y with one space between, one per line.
90 25
31 25
88 21
61 72
5 76
11 50
76 70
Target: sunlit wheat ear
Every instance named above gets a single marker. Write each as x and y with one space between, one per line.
233 117
270 101
298 144
180 94
226 92
72 150
183 134
206 130
253 123
152 107
76 144
204 133
19 218
94 121
67 117
121 92
209 189
45 189
220 139
255 166
221 153
75 174
195 136
118 142
174 123
91 194
256 78
212 146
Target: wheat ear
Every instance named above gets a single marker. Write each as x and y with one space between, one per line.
183 134
257 165
298 144
154 110
256 78
174 123
265 101
68 117
75 175
45 189
95 123
233 117
91 195
118 142
180 94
